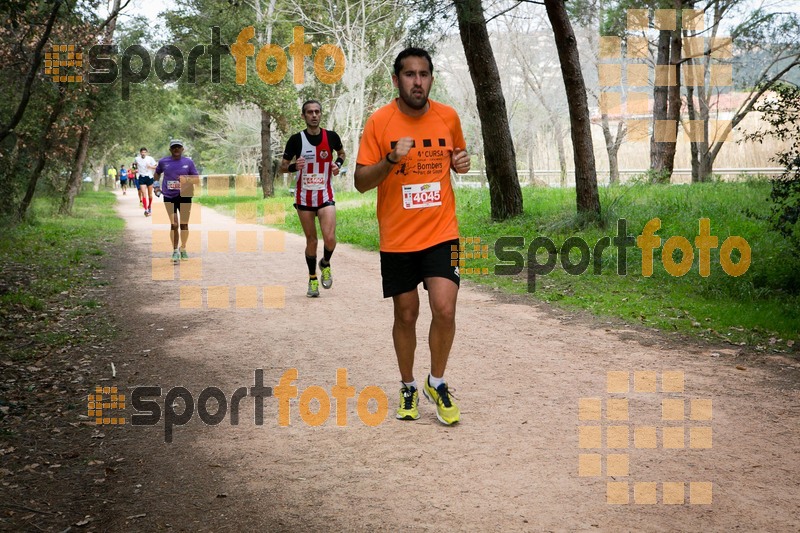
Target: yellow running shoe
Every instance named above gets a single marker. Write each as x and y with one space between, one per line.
446 410
327 277
313 288
409 402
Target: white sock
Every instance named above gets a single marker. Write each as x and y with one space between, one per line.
410 385
176 249
435 382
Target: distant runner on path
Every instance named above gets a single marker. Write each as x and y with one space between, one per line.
146 167
312 150
134 179
112 175
173 168
123 179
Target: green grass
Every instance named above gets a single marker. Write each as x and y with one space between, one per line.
761 307
49 262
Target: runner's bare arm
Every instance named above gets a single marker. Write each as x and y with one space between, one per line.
370 176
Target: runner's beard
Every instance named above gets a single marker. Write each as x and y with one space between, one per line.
414 102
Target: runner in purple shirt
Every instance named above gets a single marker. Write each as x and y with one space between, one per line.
172 168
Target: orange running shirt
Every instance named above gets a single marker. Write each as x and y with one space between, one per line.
416 204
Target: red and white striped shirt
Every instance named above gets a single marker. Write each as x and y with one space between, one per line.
314 187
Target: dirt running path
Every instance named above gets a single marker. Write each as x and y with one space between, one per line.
512 463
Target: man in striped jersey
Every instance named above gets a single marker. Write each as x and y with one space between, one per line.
312 152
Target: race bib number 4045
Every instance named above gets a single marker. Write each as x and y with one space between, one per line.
421 195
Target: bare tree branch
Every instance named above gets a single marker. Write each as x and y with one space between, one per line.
747 106
113 15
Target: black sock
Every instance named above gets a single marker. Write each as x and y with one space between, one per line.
311 261
326 256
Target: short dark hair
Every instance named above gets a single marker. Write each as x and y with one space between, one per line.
142 148
408 52
303 108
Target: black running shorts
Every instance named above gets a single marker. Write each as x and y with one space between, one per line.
402 272
177 201
313 208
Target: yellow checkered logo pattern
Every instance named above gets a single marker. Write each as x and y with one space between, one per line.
606 432
210 242
627 77
459 255
60 63
101 402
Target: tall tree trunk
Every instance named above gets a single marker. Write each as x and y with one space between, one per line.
562 154
660 99
706 165
674 95
72 188
44 150
482 176
587 197
531 162
6 129
612 148
692 118
505 194
267 185
703 146
74 183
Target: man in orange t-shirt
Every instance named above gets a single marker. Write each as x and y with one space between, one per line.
407 150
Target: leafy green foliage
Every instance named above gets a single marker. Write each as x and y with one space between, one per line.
783 114
22 29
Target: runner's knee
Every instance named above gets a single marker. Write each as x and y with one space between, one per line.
406 317
445 312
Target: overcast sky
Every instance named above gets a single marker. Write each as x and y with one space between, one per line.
148 8
151 8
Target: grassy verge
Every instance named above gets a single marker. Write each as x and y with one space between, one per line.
49 285
760 308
